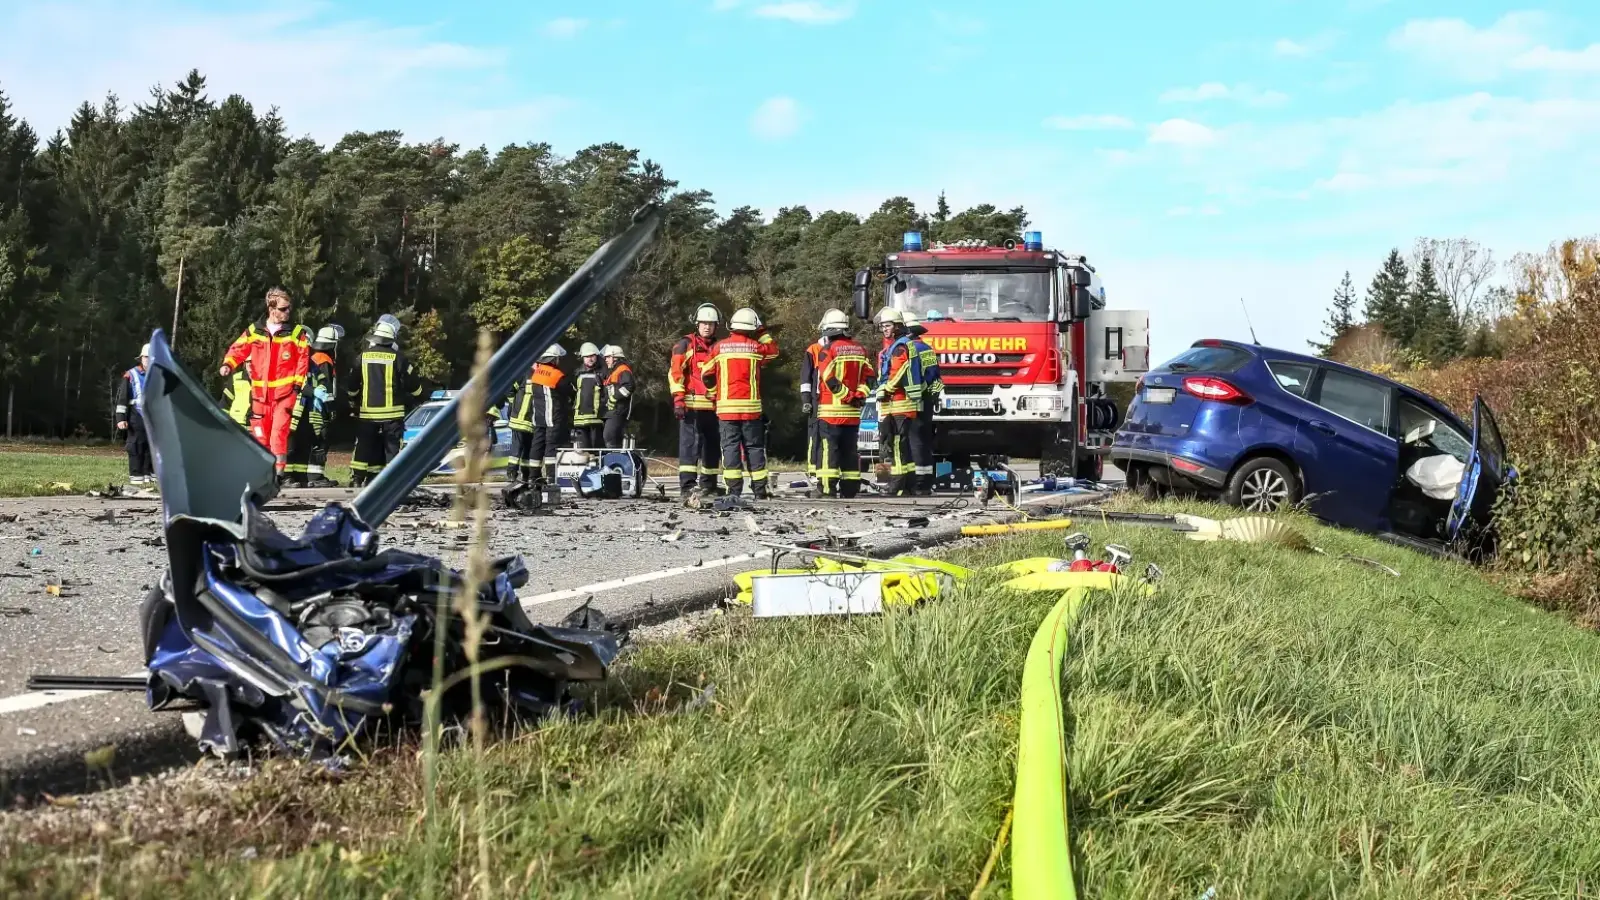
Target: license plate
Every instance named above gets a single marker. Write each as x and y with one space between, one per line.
1159 395
966 403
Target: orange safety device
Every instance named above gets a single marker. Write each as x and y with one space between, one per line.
844 379
733 373
685 374
278 366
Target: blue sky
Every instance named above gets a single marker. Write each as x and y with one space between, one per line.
1196 157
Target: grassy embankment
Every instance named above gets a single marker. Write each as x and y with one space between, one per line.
42 470
1270 723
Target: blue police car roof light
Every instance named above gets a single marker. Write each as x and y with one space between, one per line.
913 240
1033 240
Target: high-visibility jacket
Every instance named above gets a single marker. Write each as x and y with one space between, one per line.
733 373
278 362
384 380
237 393
900 391
318 392
619 391
685 372
590 405
843 382
130 393
543 400
810 368
928 361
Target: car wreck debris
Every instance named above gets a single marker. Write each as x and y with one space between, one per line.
310 641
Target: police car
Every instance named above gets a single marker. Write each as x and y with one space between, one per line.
499 455
867 438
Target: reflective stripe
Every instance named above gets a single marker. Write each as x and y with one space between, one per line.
136 387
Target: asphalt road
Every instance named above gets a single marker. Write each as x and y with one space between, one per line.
73 572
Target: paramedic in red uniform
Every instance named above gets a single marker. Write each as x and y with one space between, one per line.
279 354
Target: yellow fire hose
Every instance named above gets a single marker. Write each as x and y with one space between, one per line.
1047 525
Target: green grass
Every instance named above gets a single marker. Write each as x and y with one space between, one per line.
1270 723
77 470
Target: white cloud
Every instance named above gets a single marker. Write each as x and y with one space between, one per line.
329 75
776 118
1183 133
807 12
1291 48
1475 54
1544 59
1286 47
1216 90
1088 123
564 28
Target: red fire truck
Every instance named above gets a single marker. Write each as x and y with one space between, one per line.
1026 348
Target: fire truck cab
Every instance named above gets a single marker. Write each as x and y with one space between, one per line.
1026 348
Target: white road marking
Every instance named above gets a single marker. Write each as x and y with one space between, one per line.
38 699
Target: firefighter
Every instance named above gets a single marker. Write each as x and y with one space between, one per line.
541 411
810 368
130 420
899 396
383 381
844 379
691 402
237 394
280 356
932 391
589 409
733 375
308 442
619 395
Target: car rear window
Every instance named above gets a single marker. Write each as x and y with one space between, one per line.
1208 359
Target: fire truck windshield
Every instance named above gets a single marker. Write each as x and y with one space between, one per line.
975 296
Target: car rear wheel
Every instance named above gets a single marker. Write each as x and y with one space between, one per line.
1263 485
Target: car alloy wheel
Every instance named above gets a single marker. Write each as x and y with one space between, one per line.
1264 490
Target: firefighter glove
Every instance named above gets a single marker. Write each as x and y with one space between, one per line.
806 408
678 409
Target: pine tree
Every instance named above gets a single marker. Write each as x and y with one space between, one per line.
941 215
1386 299
1435 331
1341 316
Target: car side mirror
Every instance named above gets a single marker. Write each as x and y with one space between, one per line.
1422 432
1082 303
858 296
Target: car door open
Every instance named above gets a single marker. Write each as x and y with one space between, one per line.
1485 473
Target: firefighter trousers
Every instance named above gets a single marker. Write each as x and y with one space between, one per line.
838 459
814 427
308 450
744 442
533 453
270 423
377 442
697 450
589 437
922 448
897 432
613 432
140 463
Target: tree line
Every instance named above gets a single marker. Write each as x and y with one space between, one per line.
179 212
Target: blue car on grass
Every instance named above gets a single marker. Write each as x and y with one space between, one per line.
1263 429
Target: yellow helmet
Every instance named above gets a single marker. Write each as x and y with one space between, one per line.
890 314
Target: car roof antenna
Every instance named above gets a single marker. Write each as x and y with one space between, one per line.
1253 339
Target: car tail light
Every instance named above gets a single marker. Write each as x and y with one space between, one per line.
1183 465
1138 384
1215 389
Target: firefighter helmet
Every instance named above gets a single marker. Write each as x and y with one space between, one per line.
386 331
744 319
707 313
588 349
834 321
389 318
554 351
327 336
612 350
913 324
890 314
144 352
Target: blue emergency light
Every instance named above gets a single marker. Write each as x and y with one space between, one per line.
1032 240
913 240
437 395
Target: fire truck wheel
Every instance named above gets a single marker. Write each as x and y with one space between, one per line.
1091 468
1055 459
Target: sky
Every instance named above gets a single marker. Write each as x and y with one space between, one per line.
1198 154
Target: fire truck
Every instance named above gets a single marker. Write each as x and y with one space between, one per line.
1026 347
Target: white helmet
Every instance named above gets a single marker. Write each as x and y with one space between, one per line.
144 352
744 319
390 319
385 330
588 349
708 313
890 314
834 321
554 351
328 335
912 323
612 350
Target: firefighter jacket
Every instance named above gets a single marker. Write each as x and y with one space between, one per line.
928 360
543 400
130 393
316 397
843 382
684 373
384 380
733 373
811 368
278 362
237 393
900 390
589 389
619 391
